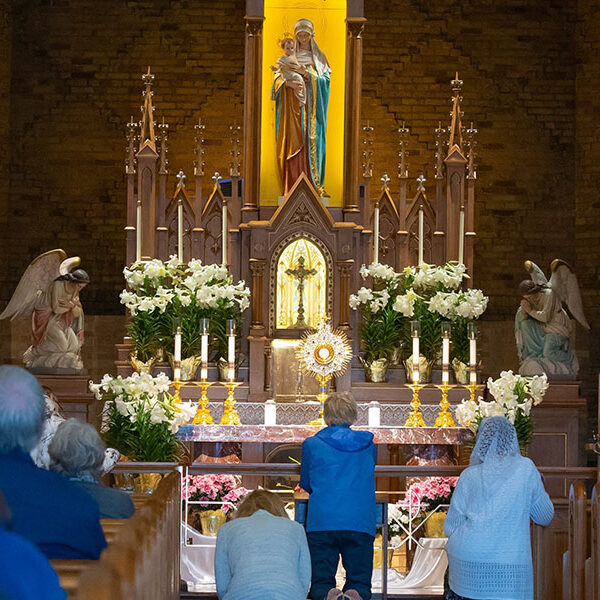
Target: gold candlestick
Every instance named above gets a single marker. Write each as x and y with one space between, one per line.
472 387
203 416
177 384
321 397
444 418
415 418
230 416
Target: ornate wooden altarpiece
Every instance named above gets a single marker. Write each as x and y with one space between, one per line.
340 229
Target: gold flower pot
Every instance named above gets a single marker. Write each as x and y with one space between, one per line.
223 368
376 370
142 367
424 369
461 371
378 554
189 366
211 521
434 525
145 483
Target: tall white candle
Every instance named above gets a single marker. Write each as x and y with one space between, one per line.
224 237
445 359
180 230
138 232
461 235
231 357
204 356
421 230
376 234
473 360
177 355
270 412
415 359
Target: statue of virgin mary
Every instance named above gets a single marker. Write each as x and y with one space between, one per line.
300 128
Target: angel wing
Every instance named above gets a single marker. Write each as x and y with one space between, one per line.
564 282
35 281
537 275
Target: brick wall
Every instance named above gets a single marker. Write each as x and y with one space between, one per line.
587 198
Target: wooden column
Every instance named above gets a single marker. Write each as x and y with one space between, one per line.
355 26
257 269
252 109
345 269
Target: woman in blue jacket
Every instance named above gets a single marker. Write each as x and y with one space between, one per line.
338 471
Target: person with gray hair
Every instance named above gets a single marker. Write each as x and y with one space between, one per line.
77 452
338 471
49 511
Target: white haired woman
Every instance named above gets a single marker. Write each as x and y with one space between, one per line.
77 452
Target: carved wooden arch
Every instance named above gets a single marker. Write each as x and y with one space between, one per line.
276 254
412 226
389 223
210 221
171 222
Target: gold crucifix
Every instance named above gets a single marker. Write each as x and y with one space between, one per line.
301 274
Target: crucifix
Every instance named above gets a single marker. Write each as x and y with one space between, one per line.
301 274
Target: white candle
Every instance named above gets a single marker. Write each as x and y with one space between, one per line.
224 234
461 235
374 414
421 229
231 357
180 230
415 359
138 232
204 357
376 235
445 359
473 360
177 350
270 412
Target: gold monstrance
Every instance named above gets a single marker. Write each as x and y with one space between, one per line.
324 353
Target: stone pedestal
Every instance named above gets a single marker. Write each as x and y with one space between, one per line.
72 393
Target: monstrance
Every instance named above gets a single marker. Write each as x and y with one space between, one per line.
324 354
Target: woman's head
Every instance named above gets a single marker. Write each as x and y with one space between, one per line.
304 32
340 409
261 500
76 450
496 438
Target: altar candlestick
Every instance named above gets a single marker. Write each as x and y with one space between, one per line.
138 232
270 412
204 349
472 353
224 234
445 352
177 354
376 234
374 414
421 229
415 331
180 230
461 236
231 349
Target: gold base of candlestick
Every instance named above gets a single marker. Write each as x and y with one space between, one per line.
444 418
176 395
230 416
319 421
472 387
415 417
203 416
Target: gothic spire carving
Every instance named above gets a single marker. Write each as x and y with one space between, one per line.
456 128
147 135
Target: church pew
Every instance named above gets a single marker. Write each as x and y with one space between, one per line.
143 562
69 573
111 528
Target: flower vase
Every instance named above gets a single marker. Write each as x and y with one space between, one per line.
189 366
139 366
376 370
145 483
378 554
461 371
223 368
434 525
211 521
424 369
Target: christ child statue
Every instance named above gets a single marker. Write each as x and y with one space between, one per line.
291 70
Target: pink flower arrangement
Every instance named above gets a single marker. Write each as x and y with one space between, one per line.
431 492
213 491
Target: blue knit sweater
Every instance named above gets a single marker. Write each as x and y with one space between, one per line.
489 550
262 557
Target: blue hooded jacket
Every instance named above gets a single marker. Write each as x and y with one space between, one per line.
338 471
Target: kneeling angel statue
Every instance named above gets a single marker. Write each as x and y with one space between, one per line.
48 293
543 321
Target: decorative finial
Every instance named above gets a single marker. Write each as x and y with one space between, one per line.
148 79
457 85
234 166
131 138
181 179
163 131
403 154
439 150
217 179
421 183
471 143
367 152
385 180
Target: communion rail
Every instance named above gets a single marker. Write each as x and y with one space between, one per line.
574 532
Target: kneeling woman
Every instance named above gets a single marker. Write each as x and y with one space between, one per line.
261 553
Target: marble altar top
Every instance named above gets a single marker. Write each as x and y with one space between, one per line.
297 433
